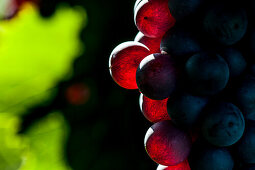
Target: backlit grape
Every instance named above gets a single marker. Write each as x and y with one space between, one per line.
123 63
153 18
166 144
152 43
153 110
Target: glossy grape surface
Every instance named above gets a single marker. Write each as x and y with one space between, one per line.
152 43
223 124
153 18
153 110
166 144
156 76
123 63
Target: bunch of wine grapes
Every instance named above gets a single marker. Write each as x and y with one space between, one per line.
193 64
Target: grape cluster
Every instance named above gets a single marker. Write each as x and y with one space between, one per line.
193 63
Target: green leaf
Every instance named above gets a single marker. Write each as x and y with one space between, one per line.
46 144
40 149
12 146
36 53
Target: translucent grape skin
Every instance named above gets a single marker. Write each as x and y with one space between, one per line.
166 144
224 24
123 63
210 158
223 124
152 43
153 110
156 76
153 18
207 73
185 109
246 146
181 166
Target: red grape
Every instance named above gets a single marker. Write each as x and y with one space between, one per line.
152 43
153 110
166 144
181 166
153 18
123 63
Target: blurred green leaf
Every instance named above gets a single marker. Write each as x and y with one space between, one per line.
40 149
12 146
36 53
46 144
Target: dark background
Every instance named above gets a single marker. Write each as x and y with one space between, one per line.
106 131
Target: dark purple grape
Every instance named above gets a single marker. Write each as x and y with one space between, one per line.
179 42
182 8
184 109
223 124
235 60
210 158
207 73
245 148
225 24
245 97
156 76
